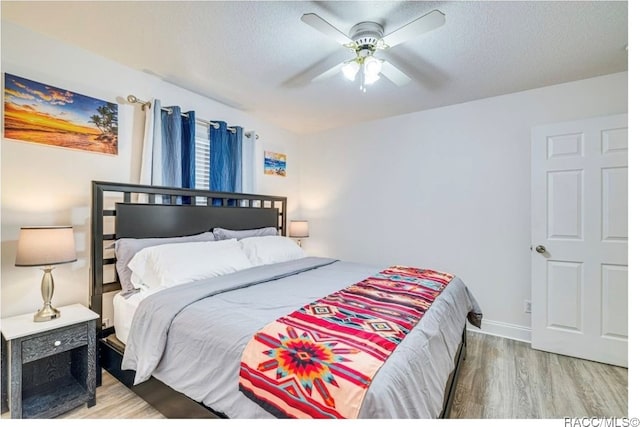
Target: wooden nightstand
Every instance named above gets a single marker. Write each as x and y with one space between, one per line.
52 364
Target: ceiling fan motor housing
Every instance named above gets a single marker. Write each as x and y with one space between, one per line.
365 35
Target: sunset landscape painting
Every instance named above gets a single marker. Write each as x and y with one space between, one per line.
43 114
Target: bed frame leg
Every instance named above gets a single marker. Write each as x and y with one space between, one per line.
464 344
452 382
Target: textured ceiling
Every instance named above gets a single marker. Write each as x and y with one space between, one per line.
256 56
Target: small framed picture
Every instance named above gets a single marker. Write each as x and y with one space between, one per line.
275 163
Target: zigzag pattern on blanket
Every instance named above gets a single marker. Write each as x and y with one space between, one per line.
318 361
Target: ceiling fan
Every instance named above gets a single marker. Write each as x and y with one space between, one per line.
364 40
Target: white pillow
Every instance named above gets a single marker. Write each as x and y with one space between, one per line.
270 249
177 263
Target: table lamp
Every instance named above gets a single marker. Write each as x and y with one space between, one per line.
45 247
299 229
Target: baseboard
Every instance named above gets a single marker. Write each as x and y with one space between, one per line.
505 330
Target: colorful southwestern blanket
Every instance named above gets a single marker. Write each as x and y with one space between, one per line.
318 361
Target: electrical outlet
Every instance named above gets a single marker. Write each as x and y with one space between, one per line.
527 306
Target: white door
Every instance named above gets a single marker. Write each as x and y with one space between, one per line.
579 239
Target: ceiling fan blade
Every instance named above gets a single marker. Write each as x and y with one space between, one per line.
324 27
396 76
329 73
428 22
323 68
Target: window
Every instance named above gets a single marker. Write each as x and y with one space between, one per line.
202 156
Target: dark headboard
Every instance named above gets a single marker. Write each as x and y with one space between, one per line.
140 211
145 220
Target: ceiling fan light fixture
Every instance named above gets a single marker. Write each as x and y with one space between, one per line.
372 67
350 70
370 79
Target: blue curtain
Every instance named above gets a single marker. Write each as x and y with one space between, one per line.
188 153
225 165
177 149
171 123
189 150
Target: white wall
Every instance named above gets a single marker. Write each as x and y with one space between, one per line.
43 185
447 188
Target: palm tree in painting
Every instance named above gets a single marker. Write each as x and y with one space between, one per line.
107 121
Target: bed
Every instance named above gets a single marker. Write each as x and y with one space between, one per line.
181 347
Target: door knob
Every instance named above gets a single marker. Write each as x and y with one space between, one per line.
541 249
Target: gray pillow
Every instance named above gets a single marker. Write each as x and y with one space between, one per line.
223 233
126 248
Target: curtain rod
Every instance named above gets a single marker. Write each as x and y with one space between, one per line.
132 99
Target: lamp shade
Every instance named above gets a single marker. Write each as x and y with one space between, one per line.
39 246
299 229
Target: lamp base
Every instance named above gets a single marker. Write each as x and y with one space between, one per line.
46 313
